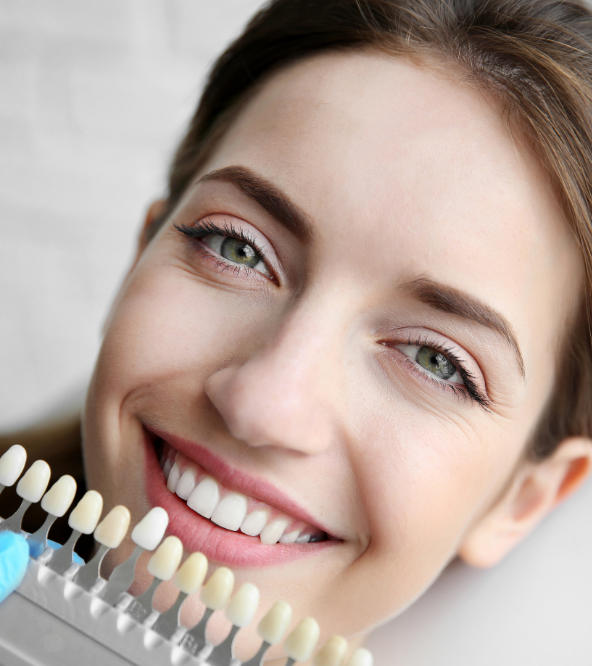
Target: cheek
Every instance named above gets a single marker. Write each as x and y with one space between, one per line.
167 323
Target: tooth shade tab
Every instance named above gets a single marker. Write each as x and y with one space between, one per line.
185 484
191 573
254 523
166 558
243 605
58 498
332 653
112 529
216 592
302 640
361 657
204 497
230 512
273 531
149 531
275 622
12 464
85 515
34 482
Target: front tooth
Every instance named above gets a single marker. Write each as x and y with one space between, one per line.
273 531
204 497
230 512
254 523
186 484
173 477
290 537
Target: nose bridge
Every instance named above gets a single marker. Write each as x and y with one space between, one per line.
281 392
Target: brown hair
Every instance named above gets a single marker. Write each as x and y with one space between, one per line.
535 56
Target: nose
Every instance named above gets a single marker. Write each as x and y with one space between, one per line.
282 393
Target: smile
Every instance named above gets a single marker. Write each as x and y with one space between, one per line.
231 517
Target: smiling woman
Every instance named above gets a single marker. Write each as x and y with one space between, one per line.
354 342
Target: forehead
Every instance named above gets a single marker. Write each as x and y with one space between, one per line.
422 173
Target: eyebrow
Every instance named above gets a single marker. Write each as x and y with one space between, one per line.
454 301
434 294
268 196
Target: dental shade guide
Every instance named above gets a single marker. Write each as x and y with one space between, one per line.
30 488
12 463
147 534
76 616
55 503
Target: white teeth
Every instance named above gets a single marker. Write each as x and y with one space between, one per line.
173 477
272 532
205 497
290 537
166 468
230 512
254 523
186 484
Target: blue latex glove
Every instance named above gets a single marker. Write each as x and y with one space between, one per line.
14 557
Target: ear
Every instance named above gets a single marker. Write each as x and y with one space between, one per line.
148 230
535 489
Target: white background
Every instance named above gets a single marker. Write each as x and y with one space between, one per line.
93 96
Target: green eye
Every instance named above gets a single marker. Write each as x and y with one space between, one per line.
239 252
433 361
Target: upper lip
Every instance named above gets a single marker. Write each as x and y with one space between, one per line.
235 479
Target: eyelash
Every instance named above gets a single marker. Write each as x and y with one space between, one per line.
201 229
469 391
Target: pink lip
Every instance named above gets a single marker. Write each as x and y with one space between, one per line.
199 534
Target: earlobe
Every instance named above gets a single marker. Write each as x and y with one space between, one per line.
536 488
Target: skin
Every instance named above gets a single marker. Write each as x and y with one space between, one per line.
292 381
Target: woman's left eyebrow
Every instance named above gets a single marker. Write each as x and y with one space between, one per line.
454 301
268 196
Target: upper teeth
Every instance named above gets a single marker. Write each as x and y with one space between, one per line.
205 496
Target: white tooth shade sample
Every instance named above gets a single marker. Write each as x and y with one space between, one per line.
85 515
275 622
185 484
149 531
231 511
216 592
254 523
58 498
290 537
173 478
271 533
12 464
302 640
112 529
191 573
34 482
166 558
243 605
204 498
332 653
361 657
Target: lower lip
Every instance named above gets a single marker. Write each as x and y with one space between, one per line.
216 543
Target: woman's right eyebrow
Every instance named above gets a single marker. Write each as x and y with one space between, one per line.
268 196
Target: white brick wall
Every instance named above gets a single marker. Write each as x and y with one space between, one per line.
93 96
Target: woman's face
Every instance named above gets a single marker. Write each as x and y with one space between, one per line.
367 362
